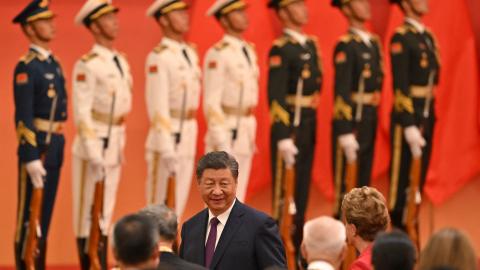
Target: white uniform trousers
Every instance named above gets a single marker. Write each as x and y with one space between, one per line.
83 193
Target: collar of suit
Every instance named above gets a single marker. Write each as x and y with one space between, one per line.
233 223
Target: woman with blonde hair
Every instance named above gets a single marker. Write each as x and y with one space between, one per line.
448 248
365 214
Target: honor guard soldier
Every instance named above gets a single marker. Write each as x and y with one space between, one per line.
40 110
294 84
172 97
102 97
358 82
415 69
231 89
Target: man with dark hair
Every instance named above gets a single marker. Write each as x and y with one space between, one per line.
393 251
102 98
228 234
167 225
135 241
40 111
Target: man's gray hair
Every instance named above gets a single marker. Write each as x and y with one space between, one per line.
165 219
325 237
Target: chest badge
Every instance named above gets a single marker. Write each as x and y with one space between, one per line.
49 76
51 91
305 56
367 72
424 60
306 73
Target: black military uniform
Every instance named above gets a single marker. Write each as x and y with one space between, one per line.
38 79
415 69
358 82
289 61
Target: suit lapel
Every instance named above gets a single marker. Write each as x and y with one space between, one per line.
198 233
233 224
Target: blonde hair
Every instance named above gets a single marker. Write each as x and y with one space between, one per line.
448 247
366 209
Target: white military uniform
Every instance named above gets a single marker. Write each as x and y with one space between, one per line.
173 84
96 77
231 95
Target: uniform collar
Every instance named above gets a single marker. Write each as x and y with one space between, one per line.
104 51
416 24
223 217
234 41
320 265
43 53
173 43
300 37
364 35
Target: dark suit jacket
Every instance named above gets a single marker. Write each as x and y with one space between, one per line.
169 261
250 240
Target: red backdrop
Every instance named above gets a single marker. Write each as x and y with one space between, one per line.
456 157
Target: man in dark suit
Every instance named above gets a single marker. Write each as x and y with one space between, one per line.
167 225
228 234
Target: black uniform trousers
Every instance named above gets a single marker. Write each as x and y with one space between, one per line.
365 133
305 137
402 158
52 164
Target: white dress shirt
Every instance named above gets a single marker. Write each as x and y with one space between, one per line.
301 38
418 25
364 35
223 218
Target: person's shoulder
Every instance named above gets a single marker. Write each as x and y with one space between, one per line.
170 261
199 217
253 213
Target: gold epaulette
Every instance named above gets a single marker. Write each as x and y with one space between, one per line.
89 56
160 48
281 41
348 37
251 44
221 45
193 46
28 57
124 55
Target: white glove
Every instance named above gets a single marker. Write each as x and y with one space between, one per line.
349 145
36 171
170 159
414 138
288 151
97 168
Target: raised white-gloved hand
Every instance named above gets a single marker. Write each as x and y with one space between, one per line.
36 171
170 159
288 151
97 168
349 145
415 140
